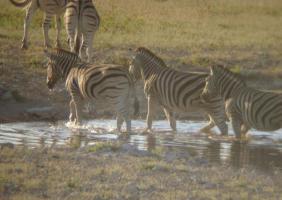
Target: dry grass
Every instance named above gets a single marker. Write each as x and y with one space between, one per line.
111 172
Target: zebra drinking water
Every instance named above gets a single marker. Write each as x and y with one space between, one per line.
82 21
175 91
111 84
246 107
50 8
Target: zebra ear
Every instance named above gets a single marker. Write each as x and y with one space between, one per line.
131 53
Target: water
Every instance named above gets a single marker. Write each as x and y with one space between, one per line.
262 151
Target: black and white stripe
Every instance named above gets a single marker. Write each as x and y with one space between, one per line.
82 21
246 107
175 91
50 8
111 84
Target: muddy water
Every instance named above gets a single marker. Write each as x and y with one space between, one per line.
262 151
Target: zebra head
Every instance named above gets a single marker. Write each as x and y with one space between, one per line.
210 89
135 66
54 73
134 71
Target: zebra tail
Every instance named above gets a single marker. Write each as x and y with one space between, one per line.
78 30
136 107
20 4
77 42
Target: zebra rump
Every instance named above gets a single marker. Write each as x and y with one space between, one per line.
82 21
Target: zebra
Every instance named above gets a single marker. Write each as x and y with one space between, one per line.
246 107
82 21
50 8
109 83
175 91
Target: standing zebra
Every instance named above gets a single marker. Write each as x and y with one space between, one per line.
50 8
111 84
175 91
82 21
246 107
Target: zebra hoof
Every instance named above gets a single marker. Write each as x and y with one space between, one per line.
24 46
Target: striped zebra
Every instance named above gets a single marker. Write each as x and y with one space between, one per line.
246 107
175 91
108 83
50 8
82 21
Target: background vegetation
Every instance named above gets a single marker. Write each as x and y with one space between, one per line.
241 33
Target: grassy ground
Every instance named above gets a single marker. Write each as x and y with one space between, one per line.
111 171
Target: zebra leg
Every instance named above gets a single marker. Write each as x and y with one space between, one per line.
170 117
70 24
236 124
123 114
83 48
72 111
208 127
58 29
119 122
46 27
89 50
77 102
235 117
29 14
150 113
220 121
244 129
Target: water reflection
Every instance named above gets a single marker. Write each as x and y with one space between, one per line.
263 151
235 153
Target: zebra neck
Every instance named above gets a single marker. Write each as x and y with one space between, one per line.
66 67
149 69
231 90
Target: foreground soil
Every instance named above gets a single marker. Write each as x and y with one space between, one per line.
118 171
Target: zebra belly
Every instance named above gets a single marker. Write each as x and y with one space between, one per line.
182 108
262 119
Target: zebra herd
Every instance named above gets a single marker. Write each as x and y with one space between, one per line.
221 94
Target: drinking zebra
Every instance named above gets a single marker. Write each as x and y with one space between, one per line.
82 21
109 83
246 107
50 8
175 91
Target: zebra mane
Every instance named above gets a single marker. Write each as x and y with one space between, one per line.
60 51
151 56
224 71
